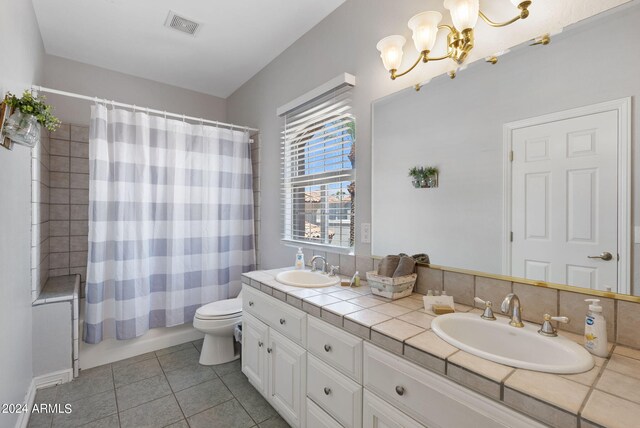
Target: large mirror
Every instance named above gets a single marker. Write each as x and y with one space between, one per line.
537 158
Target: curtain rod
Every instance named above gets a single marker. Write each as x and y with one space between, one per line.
144 109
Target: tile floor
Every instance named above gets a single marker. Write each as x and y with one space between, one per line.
166 388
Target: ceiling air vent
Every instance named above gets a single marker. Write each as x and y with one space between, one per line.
182 24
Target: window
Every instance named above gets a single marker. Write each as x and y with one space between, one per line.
318 176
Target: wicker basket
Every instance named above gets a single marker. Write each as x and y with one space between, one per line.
391 288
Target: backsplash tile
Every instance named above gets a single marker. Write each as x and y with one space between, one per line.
460 286
429 279
572 305
537 301
493 290
628 324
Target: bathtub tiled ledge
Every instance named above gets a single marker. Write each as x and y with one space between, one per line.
606 396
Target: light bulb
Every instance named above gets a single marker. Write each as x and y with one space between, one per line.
391 51
464 13
425 29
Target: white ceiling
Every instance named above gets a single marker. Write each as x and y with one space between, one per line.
237 38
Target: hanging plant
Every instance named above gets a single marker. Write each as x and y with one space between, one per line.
36 107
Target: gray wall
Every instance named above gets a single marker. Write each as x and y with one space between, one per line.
72 76
424 128
345 42
20 66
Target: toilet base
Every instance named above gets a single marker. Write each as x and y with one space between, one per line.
218 350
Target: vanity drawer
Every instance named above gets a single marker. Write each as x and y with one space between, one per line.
340 350
283 318
430 398
338 395
318 418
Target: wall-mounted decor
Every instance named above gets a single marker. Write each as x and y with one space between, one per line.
5 112
424 177
28 113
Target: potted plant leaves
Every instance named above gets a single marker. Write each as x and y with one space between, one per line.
419 179
424 177
431 176
29 114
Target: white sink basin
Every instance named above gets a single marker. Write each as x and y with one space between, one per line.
306 279
517 347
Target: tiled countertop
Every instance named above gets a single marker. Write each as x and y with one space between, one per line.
606 396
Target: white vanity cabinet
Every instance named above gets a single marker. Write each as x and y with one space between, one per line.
272 359
432 399
319 376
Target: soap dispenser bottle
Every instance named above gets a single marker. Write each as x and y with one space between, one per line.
595 329
299 260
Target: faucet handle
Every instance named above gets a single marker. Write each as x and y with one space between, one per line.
488 311
548 329
333 270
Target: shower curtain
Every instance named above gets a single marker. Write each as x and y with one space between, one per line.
170 221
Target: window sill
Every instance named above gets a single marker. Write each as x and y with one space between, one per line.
320 247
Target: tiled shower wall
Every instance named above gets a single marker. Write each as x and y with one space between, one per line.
40 215
69 199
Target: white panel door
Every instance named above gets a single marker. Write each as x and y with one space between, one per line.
255 337
287 378
564 201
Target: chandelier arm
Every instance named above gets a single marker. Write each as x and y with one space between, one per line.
394 73
439 58
498 24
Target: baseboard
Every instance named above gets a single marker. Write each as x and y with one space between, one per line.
39 382
55 378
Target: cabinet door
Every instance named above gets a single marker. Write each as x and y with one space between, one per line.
255 338
377 413
287 378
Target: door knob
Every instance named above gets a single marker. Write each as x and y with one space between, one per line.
260 344
606 256
400 390
269 350
283 321
327 391
327 348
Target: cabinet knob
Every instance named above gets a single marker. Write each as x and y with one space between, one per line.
400 390
327 348
250 303
269 350
283 321
260 344
327 390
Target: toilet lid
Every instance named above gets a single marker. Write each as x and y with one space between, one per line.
220 308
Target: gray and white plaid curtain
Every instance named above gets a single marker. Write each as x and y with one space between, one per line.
170 221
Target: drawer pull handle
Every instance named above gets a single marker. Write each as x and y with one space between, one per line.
327 391
250 303
260 344
400 390
269 350
283 321
327 348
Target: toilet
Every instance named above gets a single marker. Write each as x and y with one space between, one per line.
217 320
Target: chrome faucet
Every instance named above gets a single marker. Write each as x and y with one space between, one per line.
313 263
511 305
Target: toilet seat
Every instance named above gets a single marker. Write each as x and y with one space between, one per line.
220 310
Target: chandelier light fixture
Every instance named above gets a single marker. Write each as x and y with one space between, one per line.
425 27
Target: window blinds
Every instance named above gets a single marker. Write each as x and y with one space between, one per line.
318 175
